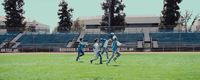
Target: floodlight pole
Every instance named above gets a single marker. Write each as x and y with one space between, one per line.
109 17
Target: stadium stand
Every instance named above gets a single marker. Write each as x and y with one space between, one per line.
7 37
160 41
130 39
46 40
89 37
122 37
176 40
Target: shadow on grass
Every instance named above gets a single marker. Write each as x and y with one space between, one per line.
93 78
97 64
97 78
115 65
81 61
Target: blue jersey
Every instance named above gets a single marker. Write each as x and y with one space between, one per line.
102 42
81 46
114 45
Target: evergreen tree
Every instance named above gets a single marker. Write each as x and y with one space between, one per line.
14 15
170 13
114 9
65 16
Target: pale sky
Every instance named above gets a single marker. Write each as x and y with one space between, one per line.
45 11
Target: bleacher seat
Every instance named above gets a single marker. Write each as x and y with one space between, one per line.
122 37
7 37
90 37
46 40
130 37
176 39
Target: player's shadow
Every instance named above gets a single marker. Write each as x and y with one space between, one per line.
115 65
81 61
97 64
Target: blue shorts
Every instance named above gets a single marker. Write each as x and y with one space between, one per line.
80 51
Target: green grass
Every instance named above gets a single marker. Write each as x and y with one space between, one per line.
129 67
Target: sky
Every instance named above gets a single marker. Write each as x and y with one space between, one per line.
45 11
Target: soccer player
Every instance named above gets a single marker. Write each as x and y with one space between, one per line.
81 46
115 50
96 49
104 46
113 36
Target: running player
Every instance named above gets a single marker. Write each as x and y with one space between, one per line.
115 50
104 47
96 49
80 50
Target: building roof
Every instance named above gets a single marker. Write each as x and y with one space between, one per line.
38 25
143 19
95 20
29 23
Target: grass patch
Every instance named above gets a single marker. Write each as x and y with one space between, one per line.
129 67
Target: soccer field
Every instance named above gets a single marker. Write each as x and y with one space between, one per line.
176 66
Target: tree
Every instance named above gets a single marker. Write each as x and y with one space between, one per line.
65 16
14 15
192 24
198 26
170 14
180 25
114 17
78 26
187 17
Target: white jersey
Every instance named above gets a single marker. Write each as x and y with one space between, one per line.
106 44
114 37
118 43
96 47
